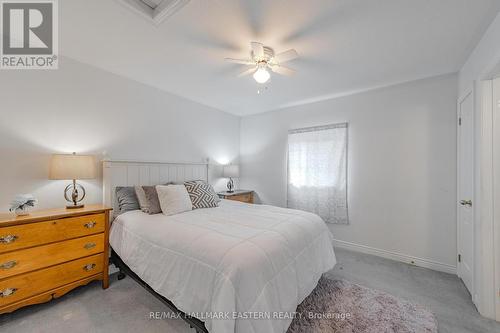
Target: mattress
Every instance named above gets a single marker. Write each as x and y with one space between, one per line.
240 268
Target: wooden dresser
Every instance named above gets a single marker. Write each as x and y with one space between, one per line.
238 195
48 253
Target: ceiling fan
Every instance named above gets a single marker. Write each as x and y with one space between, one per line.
263 58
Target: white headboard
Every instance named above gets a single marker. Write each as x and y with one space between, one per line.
138 173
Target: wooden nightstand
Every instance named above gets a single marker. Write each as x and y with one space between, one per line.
46 254
238 195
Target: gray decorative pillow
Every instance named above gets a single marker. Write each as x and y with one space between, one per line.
152 198
127 199
201 194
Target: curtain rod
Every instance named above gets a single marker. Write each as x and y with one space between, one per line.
317 128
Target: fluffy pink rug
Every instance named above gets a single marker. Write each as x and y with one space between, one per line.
341 307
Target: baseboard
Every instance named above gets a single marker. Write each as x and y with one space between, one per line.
421 262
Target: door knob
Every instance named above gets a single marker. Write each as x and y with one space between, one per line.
466 203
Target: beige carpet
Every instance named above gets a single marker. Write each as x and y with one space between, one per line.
340 306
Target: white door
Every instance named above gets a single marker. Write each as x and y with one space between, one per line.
465 191
496 188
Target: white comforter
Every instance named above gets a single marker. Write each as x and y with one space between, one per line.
238 267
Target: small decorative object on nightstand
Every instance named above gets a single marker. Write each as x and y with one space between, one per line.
48 253
231 171
238 195
73 167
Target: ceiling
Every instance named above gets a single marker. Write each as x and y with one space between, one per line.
344 45
152 3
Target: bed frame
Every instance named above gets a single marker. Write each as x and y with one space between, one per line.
195 323
138 173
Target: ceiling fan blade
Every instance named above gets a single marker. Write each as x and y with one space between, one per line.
257 50
240 61
248 71
285 56
282 70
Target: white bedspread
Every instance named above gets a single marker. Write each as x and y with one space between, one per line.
226 264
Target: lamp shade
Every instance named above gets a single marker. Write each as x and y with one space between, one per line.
72 166
231 171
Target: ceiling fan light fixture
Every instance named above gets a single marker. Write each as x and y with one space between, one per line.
264 60
261 75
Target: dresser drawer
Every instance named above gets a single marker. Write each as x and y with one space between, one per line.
22 261
32 234
26 285
248 198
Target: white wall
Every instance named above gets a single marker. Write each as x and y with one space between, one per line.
402 164
87 110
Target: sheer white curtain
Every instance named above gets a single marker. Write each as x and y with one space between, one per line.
317 171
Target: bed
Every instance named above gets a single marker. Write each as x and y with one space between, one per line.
236 268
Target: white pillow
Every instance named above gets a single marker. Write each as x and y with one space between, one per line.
174 199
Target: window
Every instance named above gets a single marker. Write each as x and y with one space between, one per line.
317 171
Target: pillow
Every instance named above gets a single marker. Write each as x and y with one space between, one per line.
192 182
127 199
152 198
174 199
202 194
141 197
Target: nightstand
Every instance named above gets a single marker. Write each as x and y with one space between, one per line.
46 254
237 195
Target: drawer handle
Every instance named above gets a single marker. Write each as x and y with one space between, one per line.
8 264
88 267
8 239
8 292
89 246
90 225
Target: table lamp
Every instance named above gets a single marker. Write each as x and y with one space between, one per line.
231 171
73 167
